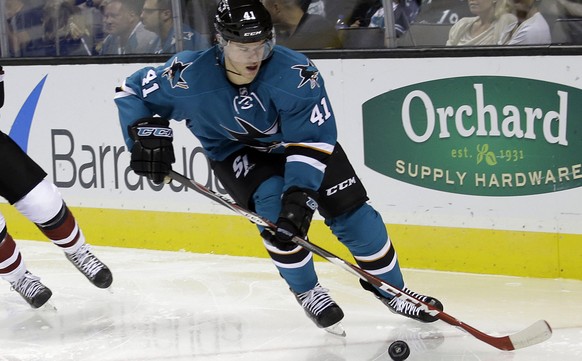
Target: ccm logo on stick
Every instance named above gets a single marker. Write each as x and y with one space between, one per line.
340 187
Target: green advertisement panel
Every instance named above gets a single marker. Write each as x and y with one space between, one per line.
480 135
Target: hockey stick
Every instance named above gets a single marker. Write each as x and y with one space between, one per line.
532 335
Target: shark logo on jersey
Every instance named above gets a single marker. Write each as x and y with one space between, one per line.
308 74
174 74
251 135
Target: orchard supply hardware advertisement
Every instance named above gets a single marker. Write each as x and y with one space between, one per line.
484 135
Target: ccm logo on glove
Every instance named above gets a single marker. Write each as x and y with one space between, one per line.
154 132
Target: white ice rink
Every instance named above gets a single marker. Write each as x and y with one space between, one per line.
182 306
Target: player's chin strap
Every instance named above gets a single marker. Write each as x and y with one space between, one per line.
538 332
234 72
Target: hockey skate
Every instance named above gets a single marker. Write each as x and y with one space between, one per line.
404 308
91 267
32 290
322 310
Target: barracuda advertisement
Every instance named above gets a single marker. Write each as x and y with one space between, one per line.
482 136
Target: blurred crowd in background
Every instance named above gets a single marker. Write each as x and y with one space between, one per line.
48 28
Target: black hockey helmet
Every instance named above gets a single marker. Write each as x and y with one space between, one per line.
243 21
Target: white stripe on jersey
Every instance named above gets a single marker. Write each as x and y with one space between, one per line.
381 271
125 92
373 257
307 160
322 147
294 265
10 259
69 238
274 249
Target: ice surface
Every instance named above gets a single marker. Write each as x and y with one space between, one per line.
183 306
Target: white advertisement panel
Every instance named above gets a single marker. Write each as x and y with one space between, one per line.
66 118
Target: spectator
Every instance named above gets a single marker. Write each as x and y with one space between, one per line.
443 11
531 27
24 27
571 10
66 32
92 11
491 19
371 14
157 16
126 33
297 29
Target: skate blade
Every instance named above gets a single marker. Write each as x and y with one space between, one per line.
336 329
48 306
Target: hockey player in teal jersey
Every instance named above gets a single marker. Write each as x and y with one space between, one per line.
265 121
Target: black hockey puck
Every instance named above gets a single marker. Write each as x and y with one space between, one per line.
399 350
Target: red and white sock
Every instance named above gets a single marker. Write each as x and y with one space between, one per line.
12 267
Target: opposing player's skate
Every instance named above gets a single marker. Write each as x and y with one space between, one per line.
32 290
91 267
404 308
322 310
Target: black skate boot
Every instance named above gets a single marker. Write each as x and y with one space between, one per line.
404 308
32 290
322 310
91 267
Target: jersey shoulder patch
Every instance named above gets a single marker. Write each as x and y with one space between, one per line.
293 71
188 70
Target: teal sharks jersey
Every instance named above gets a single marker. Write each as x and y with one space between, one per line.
284 109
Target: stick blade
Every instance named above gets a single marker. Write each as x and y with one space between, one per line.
534 334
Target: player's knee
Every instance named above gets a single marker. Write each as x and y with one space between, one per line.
267 198
360 228
42 203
